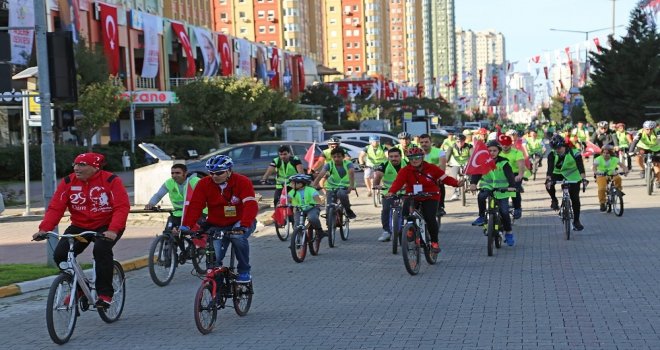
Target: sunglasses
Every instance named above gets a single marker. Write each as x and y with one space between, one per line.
415 157
217 173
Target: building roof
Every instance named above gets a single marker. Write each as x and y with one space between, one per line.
31 72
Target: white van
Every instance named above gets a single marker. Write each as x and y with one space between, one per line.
364 136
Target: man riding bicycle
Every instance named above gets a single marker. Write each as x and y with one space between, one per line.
284 165
178 187
607 164
386 172
436 156
457 157
371 156
97 201
647 141
603 136
565 164
517 162
420 176
534 146
404 143
340 176
624 139
232 205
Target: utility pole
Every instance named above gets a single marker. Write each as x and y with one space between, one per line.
613 15
47 146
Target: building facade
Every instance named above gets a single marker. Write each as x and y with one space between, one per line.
440 74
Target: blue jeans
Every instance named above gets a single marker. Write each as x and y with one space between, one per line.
240 245
386 213
503 205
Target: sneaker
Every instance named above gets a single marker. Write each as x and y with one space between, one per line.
441 211
350 214
385 237
517 213
508 238
454 197
480 221
554 205
244 277
435 247
103 302
603 207
577 226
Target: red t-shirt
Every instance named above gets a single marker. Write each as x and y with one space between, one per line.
427 176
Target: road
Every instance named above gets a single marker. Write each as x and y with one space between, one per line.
600 290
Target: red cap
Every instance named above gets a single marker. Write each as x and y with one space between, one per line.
482 131
505 140
94 159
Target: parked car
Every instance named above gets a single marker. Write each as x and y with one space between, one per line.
252 158
364 136
353 151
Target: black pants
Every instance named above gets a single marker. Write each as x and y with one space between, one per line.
102 255
573 191
429 211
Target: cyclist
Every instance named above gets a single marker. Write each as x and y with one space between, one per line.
480 134
517 162
232 205
647 141
435 156
306 198
625 139
97 201
178 187
418 176
580 134
500 177
284 165
565 163
457 157
404 143
468 136
607 164
603 136
326 157
448 142
534 146
386 173
340 176
372 155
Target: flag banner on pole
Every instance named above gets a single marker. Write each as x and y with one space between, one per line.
21 14
182 35
309 157
151 49
110 32
480 161
226 55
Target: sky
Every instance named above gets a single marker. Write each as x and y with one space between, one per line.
526 24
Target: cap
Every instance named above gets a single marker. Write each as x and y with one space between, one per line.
93 159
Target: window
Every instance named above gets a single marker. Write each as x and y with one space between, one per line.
271 29
357 69
357 56
333 45
272 43
356 32
261 14
331 9
348 44
333 34
349 57
333 21
262 29
241 14
349 69
245 153
269 151
356 44
333 58
348 32
243 30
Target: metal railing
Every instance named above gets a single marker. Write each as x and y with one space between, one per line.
146 83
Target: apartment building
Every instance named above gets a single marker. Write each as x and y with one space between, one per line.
466 65
440 56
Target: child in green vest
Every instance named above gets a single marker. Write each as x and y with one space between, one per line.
306 199
604 165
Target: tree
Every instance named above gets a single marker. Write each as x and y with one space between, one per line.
626 76
99 104
92 65
218 103
322 95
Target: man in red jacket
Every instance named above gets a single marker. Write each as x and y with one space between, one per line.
231 204
420 176
97 201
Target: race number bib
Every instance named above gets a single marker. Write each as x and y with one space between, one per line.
417 188
230 211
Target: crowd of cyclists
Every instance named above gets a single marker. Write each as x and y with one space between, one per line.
98 201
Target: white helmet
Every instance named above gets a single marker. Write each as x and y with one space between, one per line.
492 136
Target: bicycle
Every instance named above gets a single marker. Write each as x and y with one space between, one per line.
377 197
219 284
304 237
284 230
493 227
168 251
535 159
416 237
336 218
649 172
396 223
614 197
566 206
466 185
72 291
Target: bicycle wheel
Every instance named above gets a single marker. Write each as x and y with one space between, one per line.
284 230
332 228
395 229
649 179
61 308
197 256
566 220
430 256
375 197
242 298
464 195
344 226
491 232
298 245
112 313
410 242
206 310
313 240
162 260
617 203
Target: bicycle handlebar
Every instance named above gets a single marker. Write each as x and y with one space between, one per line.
214 233
68 235
157 209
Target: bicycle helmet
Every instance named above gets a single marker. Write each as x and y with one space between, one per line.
414 152
403 135
219 163
603 124
608 148
301 178
333 140
494 143
620 125
505 140
482 131
557 141
467 132
649 124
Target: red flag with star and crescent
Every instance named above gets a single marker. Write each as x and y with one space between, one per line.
110 32
180 32
480 161
226 55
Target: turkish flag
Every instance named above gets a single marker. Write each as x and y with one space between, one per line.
597 42
519 146
590 149
275 67
480 161
309 157
110 33
226 55
180 32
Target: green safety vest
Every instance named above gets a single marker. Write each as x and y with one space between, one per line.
622 137
375 156
569 169
580 133
307 200
648 142
459 157
327 155
176 197
513 156
610 168
284 170
534 145
403 152
390 175
334 181
433 157
447 144
496 179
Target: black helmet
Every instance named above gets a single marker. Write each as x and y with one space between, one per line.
403 135
301 178
557 141
494 143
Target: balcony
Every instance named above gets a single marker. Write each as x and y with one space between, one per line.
146 83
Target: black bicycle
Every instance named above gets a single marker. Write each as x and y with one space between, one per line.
304 237
535 159
396 222
649 172
336 219
566 206
493 229
614 197
414 235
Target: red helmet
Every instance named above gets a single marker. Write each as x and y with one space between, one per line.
505 140
414 152
482 131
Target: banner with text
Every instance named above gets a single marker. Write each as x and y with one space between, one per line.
151 48
21 14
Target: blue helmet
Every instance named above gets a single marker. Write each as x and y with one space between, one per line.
301 178
219 163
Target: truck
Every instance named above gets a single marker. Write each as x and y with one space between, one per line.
302 130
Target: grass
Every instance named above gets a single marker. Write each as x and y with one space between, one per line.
13 273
